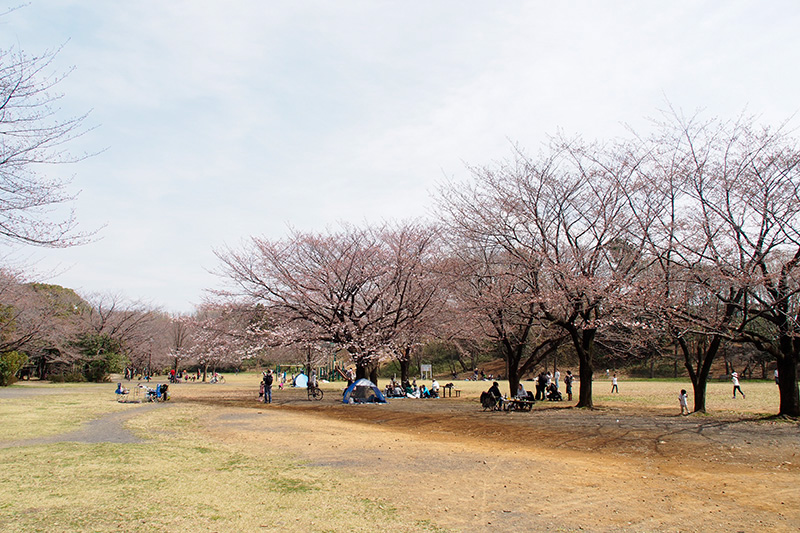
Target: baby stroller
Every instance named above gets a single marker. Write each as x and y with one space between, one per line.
553 394
159 394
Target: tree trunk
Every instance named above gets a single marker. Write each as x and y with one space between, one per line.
584 344
787 384
513 379
405 364
373 375
699 375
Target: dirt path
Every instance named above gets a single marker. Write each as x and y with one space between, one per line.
108 428
551 469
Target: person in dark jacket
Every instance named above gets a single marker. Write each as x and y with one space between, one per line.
268 380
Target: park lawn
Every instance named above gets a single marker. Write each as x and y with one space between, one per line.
173 482
72 405
762 395
661 394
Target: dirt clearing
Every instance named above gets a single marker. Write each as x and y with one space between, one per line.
555 468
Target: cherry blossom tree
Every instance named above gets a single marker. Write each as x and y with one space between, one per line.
565 225
218 336
723 196
492 297
33 137
179 336
366 290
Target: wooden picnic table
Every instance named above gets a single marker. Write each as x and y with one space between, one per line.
517 404
447 392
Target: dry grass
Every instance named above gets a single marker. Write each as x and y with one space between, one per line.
181 480
28 417
202 472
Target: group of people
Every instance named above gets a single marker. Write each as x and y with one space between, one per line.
395 389
478 375
548 386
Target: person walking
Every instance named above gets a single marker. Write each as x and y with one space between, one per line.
268 379
735 380
683 398
614 386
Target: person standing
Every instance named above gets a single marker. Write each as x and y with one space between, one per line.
268 379
777 382
614 385
735 380
556 377
683 398
568 382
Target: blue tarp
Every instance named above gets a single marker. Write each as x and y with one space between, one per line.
363 391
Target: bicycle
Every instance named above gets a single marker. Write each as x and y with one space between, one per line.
314 393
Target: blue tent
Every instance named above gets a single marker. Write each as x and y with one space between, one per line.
363 391
301 380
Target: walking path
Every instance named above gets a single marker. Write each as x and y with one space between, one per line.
108 428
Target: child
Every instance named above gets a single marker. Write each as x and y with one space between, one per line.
735 380
684 400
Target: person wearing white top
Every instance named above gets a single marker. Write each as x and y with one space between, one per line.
683 398
735 379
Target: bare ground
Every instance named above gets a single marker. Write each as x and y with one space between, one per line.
554 468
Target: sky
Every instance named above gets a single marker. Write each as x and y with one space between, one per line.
213 122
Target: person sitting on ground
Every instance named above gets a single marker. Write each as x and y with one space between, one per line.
435 388
424 392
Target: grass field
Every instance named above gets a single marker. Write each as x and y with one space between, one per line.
191 476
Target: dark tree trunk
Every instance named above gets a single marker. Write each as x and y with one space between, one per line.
513 379
699 374
584 345
405 364
787 384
